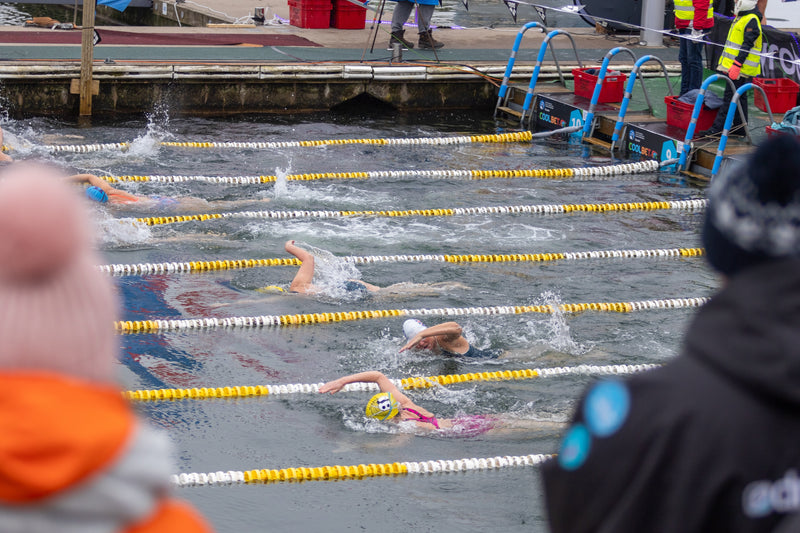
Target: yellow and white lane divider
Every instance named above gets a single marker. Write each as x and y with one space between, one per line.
522 136
231 264
556 173
445 212
245 391
361 471
244 322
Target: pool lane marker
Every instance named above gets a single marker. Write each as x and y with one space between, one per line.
244 322
513 137
353 472
550 209
551 173
203 393
233 264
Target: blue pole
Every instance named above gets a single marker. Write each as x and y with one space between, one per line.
536 69
627 98
512 58
587 125
698 104
723 141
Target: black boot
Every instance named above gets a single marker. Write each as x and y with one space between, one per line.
427 42
397 37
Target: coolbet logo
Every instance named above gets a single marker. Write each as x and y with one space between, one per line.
762 498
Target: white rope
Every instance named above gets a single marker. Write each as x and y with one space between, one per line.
233 477
244 322
580 172
191 266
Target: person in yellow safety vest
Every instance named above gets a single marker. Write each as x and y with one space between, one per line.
740 61
693 20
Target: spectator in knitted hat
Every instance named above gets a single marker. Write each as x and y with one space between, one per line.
709 441
73 456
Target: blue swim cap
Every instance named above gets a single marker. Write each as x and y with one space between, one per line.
97 194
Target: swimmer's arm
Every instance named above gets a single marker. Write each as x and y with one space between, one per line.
372 376
450 331
91 179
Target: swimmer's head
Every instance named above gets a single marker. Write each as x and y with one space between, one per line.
271 289
382 406
97 194
411 327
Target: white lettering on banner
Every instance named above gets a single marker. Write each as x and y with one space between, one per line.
787 57
762 498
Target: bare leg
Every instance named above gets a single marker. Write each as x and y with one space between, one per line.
305 274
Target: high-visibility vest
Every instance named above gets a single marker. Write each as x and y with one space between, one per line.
752 63
684 9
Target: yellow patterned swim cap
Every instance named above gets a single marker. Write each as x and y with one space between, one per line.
271 288
382 406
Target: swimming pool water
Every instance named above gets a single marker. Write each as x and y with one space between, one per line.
312 430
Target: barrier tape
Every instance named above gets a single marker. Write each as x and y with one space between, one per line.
491 210
242 322
406 383
522 136
361 471
231 264
607 170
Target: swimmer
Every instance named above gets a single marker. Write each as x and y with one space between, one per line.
444 339
392 404
303 281
101 191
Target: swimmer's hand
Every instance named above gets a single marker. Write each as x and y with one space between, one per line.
333 386
411 343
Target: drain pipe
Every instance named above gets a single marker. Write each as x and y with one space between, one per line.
652 22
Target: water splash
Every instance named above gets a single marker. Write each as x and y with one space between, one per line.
281 188
149 143
113 232
331 274
560 338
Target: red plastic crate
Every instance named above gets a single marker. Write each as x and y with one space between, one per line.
310 13
781 93
613 86
348 16
680 114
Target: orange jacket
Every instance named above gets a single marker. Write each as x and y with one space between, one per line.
64 442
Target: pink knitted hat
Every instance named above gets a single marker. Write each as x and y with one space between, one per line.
56 309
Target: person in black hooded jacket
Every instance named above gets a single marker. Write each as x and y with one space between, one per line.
708 442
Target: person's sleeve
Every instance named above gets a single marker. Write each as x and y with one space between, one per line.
751 34
700 14
588 485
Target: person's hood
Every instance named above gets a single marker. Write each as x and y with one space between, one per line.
750 330
56 432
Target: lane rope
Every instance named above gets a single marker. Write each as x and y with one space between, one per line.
232 264
202 393
522 136
488 210
554 173
244 322
361 471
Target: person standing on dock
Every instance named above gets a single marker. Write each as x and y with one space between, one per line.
693 20
402 10
740 61
708 442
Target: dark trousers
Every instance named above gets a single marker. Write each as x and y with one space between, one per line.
719 122
690 55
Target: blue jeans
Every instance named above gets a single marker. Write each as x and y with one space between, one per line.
690 56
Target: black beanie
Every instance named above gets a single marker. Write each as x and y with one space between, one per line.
753 212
